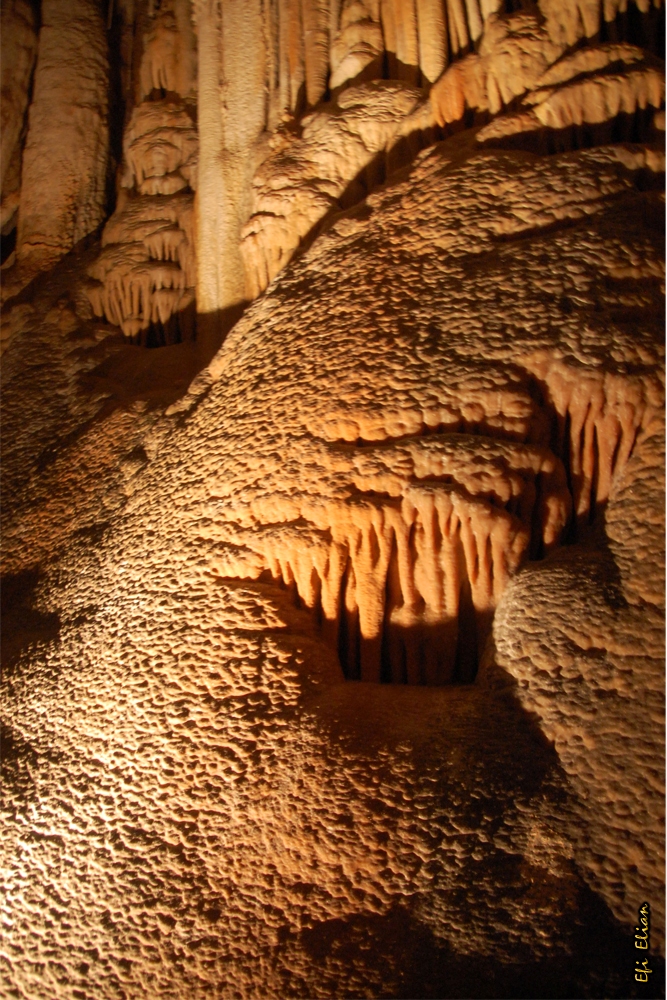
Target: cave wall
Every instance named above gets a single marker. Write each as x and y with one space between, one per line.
333 501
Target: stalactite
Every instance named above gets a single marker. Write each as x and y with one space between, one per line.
433 39
600 98
146 272
294 42
388 22
284 92
315 20
384 572
407 42
169 62
519 57
568 21
458 26
405 574
599 419
475 22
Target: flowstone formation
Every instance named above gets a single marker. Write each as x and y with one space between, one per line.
144 278
333 623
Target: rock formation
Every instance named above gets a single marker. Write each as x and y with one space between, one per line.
333 624
19 46
146 273
64 169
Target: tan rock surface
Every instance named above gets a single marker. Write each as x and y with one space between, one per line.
230 815
18 41
64 180
340 152
430 455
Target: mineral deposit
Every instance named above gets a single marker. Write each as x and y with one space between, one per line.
333 500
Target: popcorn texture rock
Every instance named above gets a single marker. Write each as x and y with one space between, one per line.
333 651
306 177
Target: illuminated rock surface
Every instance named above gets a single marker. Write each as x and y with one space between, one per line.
19 46
64 173
333 658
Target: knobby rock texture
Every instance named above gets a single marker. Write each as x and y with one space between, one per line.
333 499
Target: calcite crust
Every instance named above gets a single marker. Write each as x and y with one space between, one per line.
333 500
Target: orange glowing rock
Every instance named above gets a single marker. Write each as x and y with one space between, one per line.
333 638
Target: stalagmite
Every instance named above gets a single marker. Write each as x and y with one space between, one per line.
63 190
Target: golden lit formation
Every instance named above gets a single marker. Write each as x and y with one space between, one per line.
333 498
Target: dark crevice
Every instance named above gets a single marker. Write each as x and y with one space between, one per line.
637 127
22 624
179 328
7 244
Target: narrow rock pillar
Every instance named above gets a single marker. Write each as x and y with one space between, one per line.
64 182
232 98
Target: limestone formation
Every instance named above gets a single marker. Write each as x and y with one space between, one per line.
145 276
18 40
264 64
64 171
342 152
168 59
517 54
333 623
145 273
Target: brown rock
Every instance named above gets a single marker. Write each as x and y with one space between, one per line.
63 191
18 39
